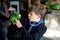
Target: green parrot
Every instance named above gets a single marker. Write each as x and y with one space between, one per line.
14 17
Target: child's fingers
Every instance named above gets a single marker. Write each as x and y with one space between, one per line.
18 23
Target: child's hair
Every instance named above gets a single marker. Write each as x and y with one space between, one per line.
37 10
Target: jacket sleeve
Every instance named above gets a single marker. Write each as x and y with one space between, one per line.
35 36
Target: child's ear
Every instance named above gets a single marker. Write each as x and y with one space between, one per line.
39 16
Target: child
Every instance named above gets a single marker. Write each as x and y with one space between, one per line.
34 28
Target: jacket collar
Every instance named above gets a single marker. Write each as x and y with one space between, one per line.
36 23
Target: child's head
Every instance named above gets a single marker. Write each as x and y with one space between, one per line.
35 13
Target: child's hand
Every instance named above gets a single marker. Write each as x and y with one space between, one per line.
18 23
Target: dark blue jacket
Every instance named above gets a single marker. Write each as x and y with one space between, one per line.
35 34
